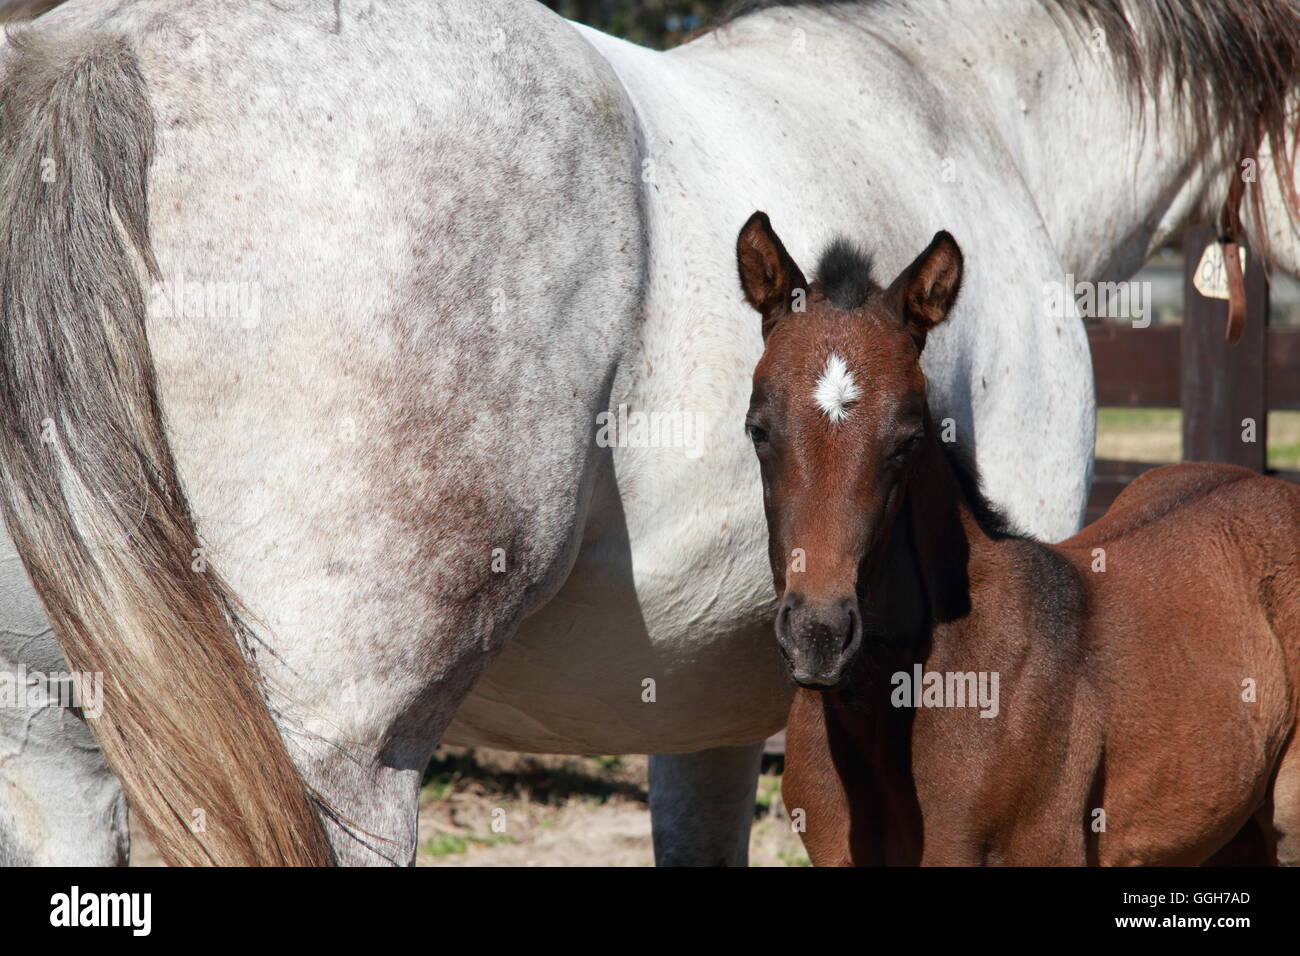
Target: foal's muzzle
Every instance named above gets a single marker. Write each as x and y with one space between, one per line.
819 640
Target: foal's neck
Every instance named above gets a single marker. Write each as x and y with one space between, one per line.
941 538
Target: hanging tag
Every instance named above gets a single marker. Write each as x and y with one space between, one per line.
1211 277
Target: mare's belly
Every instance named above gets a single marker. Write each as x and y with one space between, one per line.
661 638
576 680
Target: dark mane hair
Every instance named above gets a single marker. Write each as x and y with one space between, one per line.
844 271
1231 63
988 516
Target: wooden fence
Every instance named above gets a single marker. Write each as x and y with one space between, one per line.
1191 367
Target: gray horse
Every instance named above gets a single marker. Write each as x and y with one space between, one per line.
371 373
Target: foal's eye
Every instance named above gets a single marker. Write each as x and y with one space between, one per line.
905 447
756 434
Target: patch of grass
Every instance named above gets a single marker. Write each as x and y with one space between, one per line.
589 779
794 857
1128 418
1284 457
768 795
439 786
1156 435
448 844
1140 434
1284 440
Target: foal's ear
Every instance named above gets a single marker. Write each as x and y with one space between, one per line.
767 273
926 290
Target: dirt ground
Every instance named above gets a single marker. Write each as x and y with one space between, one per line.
491 808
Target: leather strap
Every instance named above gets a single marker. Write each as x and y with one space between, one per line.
1236 292
1229 230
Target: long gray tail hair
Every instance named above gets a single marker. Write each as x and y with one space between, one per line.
91 494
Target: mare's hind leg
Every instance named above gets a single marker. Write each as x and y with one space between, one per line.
1283 823
702 805
59 804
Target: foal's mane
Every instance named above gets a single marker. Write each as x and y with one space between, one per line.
991 519
1232 63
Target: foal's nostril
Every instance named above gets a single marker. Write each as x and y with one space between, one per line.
785 614
783 619
855 628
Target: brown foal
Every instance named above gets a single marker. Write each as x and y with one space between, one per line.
968 696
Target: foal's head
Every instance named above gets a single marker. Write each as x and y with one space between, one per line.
837 412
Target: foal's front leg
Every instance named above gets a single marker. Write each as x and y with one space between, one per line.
830 793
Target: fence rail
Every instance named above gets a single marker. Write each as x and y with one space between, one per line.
1142 368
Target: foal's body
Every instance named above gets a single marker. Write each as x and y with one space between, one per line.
1146 668
1122 692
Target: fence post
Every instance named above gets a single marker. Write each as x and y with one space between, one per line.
1223 385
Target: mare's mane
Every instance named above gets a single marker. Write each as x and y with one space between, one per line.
1233 65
